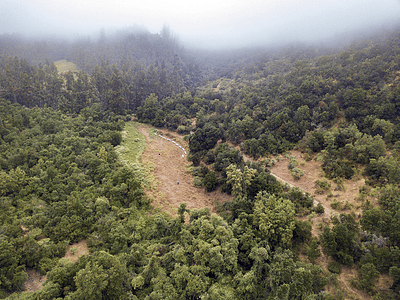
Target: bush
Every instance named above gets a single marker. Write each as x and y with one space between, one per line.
297 173
210 181
368 274
302 231
312 250
334 267
197 181
46 264
322 186
319 209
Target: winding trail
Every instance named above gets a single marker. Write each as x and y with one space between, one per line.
328 210
306 183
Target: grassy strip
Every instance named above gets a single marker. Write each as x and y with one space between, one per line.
132 147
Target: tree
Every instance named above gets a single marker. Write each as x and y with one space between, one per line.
90 282
240 181
210 181
341 242
395 273
368 274
12 276
290 279
274 216
204 138
115 97
312 250
150 111
103 277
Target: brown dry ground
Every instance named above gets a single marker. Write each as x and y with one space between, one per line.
166 166
313 172
78 249
34 281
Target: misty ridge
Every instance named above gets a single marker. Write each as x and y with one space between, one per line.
136 44
162 64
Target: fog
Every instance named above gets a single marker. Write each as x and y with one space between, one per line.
205 24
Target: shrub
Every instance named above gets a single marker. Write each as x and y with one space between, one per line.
302 231
319 209
297 173
197 181
73 250
334 267
210 181
322 186
312 250
368 274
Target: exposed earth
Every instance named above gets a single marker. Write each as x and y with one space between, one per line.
168 164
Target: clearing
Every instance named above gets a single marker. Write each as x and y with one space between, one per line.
166 164
64 66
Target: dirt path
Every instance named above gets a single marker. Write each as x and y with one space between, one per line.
306 183
168 167
350 194
311 169
313 172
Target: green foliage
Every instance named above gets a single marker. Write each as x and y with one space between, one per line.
150 111
68 182
322 186
334 267
294 280
384 220
341 242
395 273
204 138
240 181
312 250
12 275
384 170
303 202
319 209
274 217
296 173
62 179
302 231
368 274
210 181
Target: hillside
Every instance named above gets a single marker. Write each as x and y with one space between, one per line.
288 163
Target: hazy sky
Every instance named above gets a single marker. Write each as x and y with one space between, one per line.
204 22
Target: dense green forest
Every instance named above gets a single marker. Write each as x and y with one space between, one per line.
62 181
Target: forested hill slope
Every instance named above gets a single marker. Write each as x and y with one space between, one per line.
341 108
62 181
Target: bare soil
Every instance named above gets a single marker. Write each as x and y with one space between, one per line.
313 172
76 250
168 164
34 281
